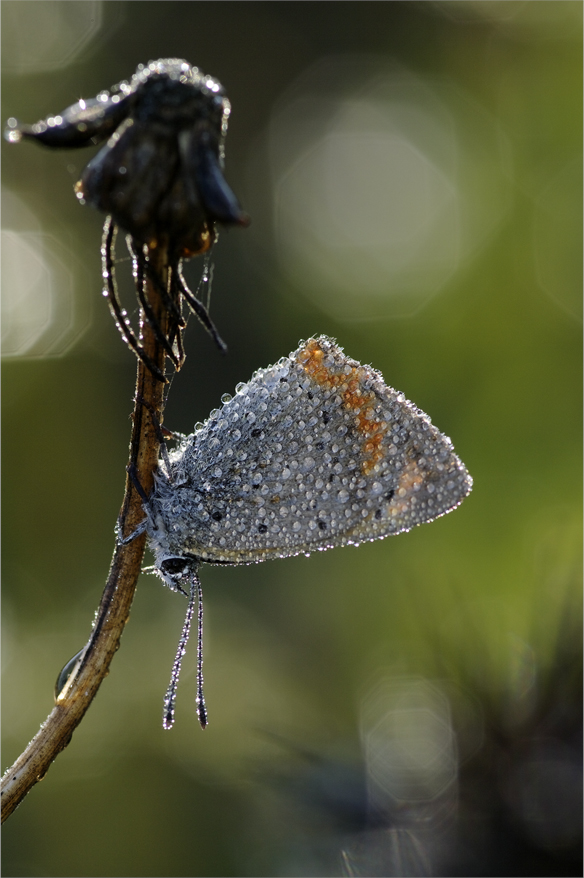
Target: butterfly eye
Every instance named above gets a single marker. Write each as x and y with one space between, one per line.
175 566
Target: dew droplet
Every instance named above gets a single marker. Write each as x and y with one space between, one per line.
65 673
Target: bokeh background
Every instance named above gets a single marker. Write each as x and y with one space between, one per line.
410 707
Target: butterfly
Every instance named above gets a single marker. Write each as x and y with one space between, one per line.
311 453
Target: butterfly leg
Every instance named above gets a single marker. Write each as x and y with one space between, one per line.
162 434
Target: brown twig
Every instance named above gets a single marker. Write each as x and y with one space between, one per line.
114 610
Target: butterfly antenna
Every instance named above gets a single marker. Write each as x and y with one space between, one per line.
201 706
170 697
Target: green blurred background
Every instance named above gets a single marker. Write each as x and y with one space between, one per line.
413 173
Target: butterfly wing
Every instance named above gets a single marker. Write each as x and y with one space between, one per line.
314 452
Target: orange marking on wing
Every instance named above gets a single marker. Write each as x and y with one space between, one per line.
411 478
354 399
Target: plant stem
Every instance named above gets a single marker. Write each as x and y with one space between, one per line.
114 609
